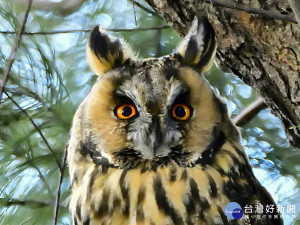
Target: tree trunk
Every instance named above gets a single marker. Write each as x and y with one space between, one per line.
261 50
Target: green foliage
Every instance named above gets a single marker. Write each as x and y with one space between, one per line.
50 78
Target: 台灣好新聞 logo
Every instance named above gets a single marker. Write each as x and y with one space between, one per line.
233 210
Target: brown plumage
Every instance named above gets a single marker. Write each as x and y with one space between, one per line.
152 143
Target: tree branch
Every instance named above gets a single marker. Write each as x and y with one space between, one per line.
88 30
134 13
30 203
43 179
249 112
33 95
60 179
26 220
14 50
257 11
36 127
144 8
64 7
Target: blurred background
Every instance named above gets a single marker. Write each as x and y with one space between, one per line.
49 79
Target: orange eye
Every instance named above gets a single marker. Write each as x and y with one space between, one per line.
125 111
181 112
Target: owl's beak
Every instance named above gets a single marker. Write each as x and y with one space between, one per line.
156 135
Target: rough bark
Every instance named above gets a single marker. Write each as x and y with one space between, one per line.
264 52
295 5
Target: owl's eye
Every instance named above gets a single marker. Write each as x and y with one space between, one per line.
125 111
181 112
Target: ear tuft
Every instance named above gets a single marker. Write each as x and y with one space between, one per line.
198 48
105 52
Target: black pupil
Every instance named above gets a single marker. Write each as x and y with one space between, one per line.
127 111
180 112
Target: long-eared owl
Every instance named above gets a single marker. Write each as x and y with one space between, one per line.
153 144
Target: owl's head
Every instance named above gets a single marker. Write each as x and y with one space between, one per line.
155 109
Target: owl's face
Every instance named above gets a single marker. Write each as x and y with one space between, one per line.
153 144
154 108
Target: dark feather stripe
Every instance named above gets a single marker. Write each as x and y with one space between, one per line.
191 50
194 190
218 141
140 212
184 175
240 152
89 148
75 178
223 217
125 192
238 191
92 181
103 208
234 172
75 221
213 147
232 156
103 46
170 71
173 174
190 206
213 186
201 202
116 203
87 222
163 203
78 208
219 169
209 45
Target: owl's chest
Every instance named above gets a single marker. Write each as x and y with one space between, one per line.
169 195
